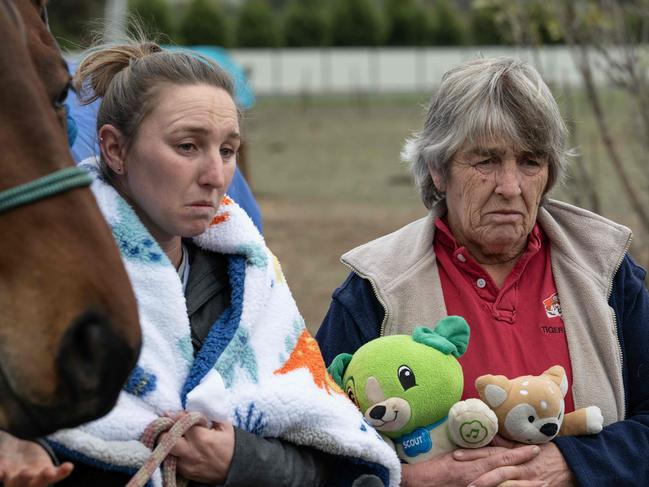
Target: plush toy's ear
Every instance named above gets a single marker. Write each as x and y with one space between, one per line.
338 367
557 375
450 336
492 389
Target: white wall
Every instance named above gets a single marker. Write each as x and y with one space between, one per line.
380 70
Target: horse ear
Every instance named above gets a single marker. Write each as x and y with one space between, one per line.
338 367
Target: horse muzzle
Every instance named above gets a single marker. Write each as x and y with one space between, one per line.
92 364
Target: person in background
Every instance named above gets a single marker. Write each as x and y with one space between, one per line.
539 281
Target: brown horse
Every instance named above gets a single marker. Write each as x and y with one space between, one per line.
69 331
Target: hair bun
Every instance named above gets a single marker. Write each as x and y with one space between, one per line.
103 63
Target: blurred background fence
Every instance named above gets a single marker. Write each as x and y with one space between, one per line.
385 70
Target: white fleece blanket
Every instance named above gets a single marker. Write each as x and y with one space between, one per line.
258 368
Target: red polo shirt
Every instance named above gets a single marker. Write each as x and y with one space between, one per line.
515 330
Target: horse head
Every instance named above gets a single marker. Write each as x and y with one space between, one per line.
69 332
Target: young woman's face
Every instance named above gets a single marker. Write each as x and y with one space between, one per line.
182 160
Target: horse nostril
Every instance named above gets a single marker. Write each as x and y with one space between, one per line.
377 412
549 429
87 353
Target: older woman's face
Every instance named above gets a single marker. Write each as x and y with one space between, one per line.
493 193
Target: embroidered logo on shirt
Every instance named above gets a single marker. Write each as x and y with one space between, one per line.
552 306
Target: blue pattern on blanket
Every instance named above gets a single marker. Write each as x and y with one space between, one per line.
134 241
250 419
140 382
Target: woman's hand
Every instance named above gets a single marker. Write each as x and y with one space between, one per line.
204 454
456 469
548 468
27 464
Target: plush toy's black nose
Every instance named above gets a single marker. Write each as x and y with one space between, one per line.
549 429
377 412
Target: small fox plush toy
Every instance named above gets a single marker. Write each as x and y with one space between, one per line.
530 409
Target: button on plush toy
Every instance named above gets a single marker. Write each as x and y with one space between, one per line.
409 389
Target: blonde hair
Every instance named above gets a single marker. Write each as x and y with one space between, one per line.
128 76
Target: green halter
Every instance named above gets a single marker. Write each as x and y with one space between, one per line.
54 183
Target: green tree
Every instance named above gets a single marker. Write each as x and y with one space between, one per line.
69 21
256 25
356 23
154 16
204 22
306 24
406 23
447 26
486 28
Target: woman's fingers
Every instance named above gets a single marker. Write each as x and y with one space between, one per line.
498 455
500 441
61 472
47 476
524 483
508 476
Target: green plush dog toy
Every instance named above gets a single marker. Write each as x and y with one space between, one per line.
409 389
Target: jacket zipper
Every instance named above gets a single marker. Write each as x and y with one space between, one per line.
615 323
376 294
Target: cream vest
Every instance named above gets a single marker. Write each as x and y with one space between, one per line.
586 252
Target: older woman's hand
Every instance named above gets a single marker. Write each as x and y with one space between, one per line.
27 464
547 468
456 469
204 454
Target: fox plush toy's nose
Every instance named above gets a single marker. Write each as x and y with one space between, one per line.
549 429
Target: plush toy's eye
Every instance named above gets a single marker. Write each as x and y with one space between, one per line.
531 419
559 417
352 396
406 377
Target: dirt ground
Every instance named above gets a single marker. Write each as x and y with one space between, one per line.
310 258
327 174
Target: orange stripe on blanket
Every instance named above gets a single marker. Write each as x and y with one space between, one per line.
306 355
223 217
226 200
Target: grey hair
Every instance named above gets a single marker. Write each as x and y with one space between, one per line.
479 101
128 77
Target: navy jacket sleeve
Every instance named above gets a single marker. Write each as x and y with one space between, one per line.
619 455
354 318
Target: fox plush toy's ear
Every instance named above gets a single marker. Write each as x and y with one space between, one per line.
493 389
557 374
338 367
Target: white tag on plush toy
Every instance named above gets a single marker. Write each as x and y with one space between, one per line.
210 397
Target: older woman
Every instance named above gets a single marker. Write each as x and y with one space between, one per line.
540 282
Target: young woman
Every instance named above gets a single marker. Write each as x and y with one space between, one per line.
221 332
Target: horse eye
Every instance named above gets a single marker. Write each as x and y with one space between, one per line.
60 100
406 377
